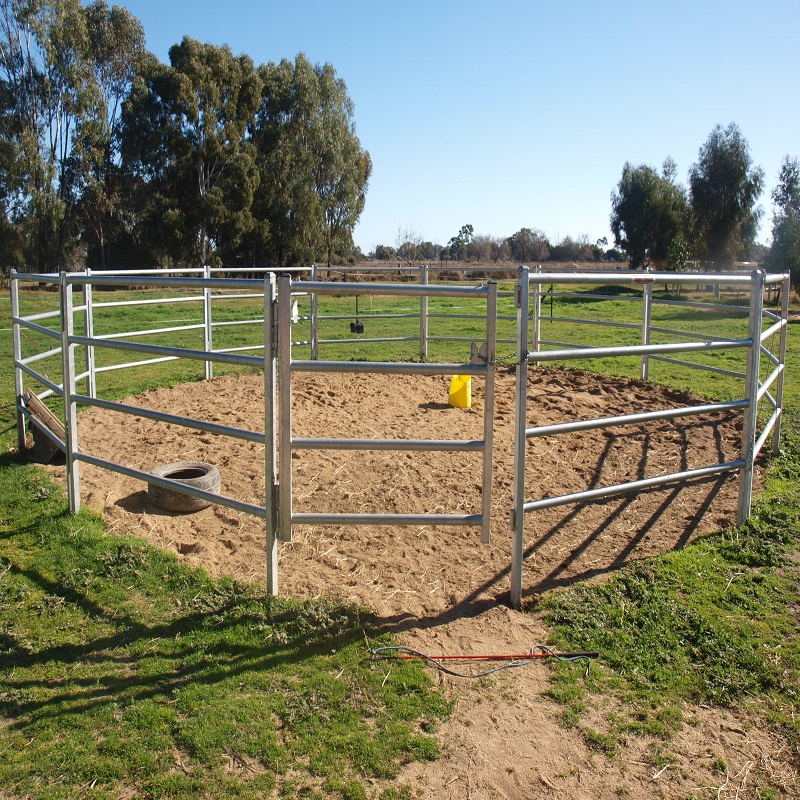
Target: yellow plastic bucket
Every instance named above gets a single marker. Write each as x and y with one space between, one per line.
460 391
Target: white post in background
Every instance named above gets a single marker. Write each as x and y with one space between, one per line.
536 332
647 319
88 326
776 431
285 408
423 314
68 385
488 411
752 382
520 440
314 318
270 440
207 326
19 389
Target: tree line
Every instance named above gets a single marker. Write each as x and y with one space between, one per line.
525 246
658 222
112 159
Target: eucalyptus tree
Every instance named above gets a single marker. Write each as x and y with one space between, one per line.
649 213
724 187
187 149
785 252
116 50
314 172
43 75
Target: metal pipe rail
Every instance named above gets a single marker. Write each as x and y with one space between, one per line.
166 483
604 492
632 419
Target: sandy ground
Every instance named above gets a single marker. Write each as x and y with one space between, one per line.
438 588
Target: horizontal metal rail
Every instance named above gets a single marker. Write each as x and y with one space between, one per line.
388 289
56 351
634 279
59 443
454 445
636 350
53 387
776 415
175 352
607 323
773 329
633 486
172 419
150 331
633 419
229 323
387 367
695 365
764 387
582 296
366 340
427 520
743 310
703 336
126 364
38 328
401 315
765 351
147 301
179 283
42 315
219 499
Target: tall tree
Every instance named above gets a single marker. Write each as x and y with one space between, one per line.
529 245
459 243
43 61
314 172
724 187
785 252
649 213
186 144
116 50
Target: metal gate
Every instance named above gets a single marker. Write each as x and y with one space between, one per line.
282 363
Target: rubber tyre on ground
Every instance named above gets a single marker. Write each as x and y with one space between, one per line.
196 474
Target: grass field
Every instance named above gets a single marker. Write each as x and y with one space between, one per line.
125 673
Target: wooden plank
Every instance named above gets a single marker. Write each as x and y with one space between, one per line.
43 415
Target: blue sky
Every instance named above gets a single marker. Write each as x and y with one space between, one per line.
517 114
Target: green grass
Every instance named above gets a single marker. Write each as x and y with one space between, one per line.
126 673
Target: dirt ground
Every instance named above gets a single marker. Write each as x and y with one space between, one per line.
439 588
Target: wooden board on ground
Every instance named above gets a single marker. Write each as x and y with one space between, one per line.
42 417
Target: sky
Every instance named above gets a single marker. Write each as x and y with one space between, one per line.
514 114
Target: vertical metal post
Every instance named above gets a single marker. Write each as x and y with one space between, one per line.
88 326
488 412
68 386
19 388
776 430
423 314
647 319
314 318
285 408
536 333
752 382
520 424
270 441
207 326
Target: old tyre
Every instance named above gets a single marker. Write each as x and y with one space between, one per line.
196 474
